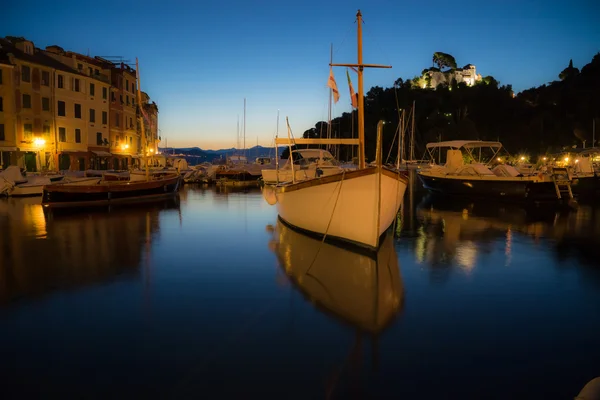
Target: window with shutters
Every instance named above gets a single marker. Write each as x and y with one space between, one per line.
77 110
62 134
92 90
77 135
99 140
92 115
104 117
104 93
25 73
45 78
60 82
28 131
45 104
61 109
26 101
76 85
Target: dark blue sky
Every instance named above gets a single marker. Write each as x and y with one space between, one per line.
199 59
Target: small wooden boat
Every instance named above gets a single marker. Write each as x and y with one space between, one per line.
101 192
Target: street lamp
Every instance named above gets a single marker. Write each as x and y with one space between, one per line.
39 143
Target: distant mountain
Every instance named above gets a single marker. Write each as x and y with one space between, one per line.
196 155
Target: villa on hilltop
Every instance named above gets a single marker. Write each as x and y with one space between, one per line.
432 77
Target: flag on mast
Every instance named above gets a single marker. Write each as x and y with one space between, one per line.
331 83
353 97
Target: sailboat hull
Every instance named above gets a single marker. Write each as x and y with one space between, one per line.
354 206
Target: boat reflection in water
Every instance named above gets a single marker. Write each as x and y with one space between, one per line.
458 232
364 290
86 247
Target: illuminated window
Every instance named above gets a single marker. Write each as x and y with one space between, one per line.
28 131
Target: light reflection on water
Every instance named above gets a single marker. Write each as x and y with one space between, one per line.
211 293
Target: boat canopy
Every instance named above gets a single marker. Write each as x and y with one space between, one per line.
467 144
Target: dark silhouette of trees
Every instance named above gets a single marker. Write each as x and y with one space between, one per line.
538 120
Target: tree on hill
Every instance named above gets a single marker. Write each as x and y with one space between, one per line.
568 72
444 60
539 120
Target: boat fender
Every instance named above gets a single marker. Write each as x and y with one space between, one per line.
269 195
319 172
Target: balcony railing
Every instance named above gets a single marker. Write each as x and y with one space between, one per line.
101 77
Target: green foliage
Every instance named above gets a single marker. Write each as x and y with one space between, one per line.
444 60
568 72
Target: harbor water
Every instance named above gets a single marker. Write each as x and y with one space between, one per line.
209 296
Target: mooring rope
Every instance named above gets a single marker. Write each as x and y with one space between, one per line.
328 223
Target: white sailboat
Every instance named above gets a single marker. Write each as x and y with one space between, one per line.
356 206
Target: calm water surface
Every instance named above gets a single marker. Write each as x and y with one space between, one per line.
210 297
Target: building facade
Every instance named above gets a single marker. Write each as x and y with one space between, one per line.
82 112
61 110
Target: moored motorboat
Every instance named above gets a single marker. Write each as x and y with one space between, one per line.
479 180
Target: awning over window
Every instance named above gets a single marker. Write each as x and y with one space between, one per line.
8 148
102 153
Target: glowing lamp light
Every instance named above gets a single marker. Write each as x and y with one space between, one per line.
151 150
39 142
522 158
544 158
576 161
566 159
499 159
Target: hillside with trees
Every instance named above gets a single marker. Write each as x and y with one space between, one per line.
539 120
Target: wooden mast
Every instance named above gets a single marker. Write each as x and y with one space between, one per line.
361 112
141 117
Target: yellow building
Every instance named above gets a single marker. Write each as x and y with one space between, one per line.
62 110
27 114
151 123
8 144
82 111
124 136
